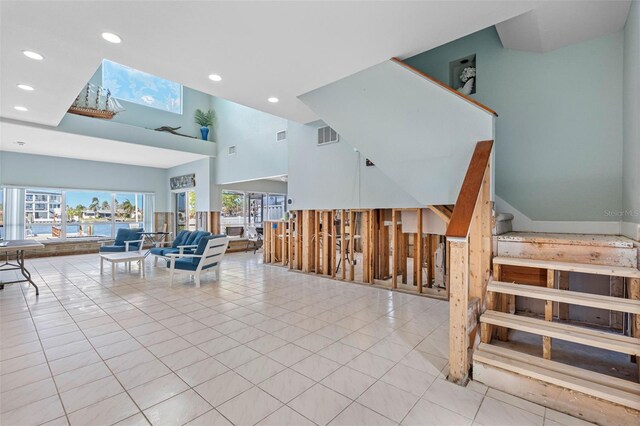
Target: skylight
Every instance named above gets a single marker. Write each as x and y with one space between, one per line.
144 89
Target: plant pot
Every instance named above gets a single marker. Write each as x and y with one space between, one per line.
204 131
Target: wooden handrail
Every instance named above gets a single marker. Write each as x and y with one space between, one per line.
444 86
466 202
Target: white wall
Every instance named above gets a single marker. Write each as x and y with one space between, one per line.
254 134
334 176
631 127
416 132
205 187
39 171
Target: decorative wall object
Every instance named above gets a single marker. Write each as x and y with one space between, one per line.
462 75
183 182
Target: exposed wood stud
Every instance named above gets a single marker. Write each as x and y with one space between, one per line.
352 231
417 250
394 247
548 315
458 313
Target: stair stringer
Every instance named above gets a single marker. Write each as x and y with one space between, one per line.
416 132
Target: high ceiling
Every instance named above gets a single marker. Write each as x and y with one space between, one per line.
261 49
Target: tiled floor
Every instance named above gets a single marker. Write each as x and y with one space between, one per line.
261 346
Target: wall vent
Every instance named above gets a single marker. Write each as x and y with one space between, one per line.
233 150
327 135
281 136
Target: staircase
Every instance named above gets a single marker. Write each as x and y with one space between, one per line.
537 267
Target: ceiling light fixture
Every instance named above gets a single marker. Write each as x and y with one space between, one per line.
20 108
273 100
112 38
214 77
32 55
25 87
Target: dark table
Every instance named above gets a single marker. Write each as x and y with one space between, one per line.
19 247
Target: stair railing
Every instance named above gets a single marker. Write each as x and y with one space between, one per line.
470 254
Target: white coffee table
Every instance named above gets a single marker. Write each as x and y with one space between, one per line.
122 257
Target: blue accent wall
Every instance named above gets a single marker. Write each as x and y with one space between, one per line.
559 130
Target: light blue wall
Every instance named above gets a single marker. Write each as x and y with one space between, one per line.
152 118
253 132
40 171
334 176
559 133
631 149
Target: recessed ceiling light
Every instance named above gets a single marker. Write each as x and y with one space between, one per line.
25 87
273 100
111 38
214 77
20 108
32 55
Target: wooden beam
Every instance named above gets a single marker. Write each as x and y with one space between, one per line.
352 251
470 191
343 245
394 247
442 212
459 312
308 226
563 284
417 250
317 236
548 315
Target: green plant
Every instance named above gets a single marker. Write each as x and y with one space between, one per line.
204 119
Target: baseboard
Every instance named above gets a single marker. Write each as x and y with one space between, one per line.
522 223
630 230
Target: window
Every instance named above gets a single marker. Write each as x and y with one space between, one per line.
86 213
144 89
251 208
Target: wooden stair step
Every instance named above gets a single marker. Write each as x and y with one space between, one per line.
569 333
566 296
598 385
615 271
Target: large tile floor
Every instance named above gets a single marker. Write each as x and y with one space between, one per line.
261 346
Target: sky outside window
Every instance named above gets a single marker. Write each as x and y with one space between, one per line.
141 88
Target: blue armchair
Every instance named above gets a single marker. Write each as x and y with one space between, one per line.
126 240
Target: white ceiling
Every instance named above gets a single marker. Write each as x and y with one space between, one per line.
555 24
261 49
44 140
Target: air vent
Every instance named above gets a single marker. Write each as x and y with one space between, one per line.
281 136
327 135
232 150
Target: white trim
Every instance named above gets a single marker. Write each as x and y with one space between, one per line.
523 223
630 230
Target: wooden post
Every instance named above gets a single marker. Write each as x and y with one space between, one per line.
633 287
459 312
404 251
486 330
417 250
267 243
343 246
394 247
317 237
299 225
563 284
373 243
616 289
548 315
364 225
352 231
308 226
292 243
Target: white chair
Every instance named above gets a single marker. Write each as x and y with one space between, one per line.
207 256
253 237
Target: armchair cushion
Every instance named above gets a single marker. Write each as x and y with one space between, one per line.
187 264
181 238
121 236
163 251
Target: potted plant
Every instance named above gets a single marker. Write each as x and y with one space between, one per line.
204 119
